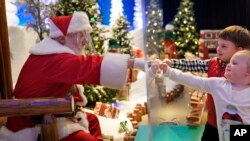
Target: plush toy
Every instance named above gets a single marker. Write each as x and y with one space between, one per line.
79 97
169 45
81 116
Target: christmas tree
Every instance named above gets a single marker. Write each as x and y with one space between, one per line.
120 33
187 37
66 7
154 29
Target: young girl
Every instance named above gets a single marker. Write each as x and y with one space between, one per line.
230 93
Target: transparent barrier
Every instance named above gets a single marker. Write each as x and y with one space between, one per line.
175 112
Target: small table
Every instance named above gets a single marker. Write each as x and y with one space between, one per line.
170 133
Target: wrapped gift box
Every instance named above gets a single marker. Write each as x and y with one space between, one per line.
106 110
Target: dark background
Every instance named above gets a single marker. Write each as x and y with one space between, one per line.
212 14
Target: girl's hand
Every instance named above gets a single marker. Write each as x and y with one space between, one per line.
168 62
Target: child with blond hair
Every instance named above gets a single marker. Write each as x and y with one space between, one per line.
230 93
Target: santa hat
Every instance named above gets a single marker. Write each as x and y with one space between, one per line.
79 97
169 27
63 25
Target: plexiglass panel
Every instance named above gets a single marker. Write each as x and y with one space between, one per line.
175 112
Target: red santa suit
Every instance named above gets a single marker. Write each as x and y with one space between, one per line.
50 74
50 71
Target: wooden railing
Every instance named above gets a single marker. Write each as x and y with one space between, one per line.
48 108
5 65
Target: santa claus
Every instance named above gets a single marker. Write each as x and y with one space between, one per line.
57 63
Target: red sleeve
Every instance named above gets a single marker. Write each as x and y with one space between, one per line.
74 69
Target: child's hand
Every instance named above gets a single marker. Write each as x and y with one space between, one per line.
155 66
164 67
168 62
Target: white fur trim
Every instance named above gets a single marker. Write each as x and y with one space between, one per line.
79 22
49 46
114 70
83 120
81 93
28 134
67 126
169 27
139 63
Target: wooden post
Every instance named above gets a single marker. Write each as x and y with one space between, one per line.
5 65
35 106
49 128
